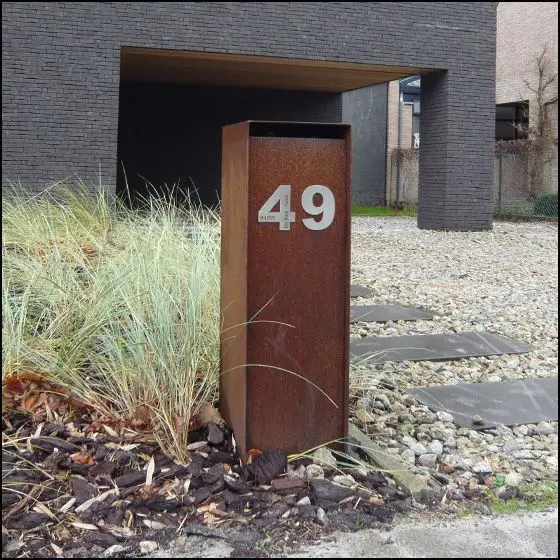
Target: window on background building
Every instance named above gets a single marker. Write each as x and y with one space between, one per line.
511 120
410 94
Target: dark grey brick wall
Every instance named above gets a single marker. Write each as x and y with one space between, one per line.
366 110
171 133
60 79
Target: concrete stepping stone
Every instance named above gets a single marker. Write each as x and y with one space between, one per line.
433 347
484 405
384 313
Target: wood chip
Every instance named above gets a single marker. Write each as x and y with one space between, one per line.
345 500
196 445
186 485
130 479
110 430
154 524
118 531
266 467
42 508
87 504
49 444
150 471
288 483
85 526
67 505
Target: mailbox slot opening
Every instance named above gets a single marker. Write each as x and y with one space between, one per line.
298 130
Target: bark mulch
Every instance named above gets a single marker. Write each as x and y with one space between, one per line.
70 492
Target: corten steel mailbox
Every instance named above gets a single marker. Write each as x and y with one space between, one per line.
285 284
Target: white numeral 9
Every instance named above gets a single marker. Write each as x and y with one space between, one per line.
326 208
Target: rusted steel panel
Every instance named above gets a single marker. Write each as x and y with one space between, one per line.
233 281
297 290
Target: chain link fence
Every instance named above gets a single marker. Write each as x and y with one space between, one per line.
525 179
402 186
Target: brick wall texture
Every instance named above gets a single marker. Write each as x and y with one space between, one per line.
60 80
524 29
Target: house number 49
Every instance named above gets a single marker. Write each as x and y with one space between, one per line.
284 217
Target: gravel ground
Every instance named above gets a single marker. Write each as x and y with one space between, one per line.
503 281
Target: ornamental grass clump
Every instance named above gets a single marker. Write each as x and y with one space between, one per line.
119 308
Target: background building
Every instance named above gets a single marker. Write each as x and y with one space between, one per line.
90 88
526 31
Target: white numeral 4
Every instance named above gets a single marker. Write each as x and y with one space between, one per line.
281 196
284 217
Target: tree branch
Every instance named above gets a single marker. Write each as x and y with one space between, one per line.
529 87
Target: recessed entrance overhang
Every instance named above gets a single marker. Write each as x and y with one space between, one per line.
204 68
